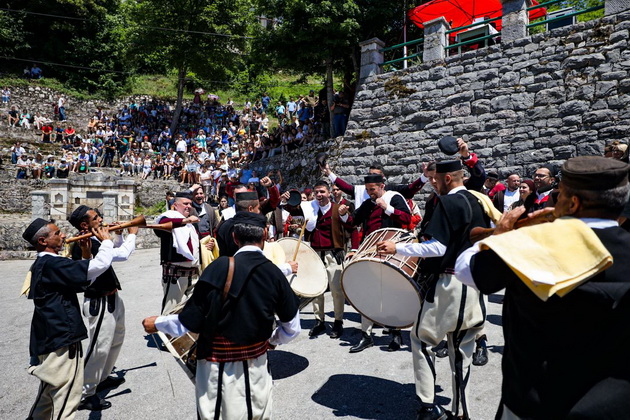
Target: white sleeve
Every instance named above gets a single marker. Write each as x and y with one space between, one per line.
344 218
462 266
102 261
117 238
123 252
427 249
169 324
389 210
286 331
332 177
285 268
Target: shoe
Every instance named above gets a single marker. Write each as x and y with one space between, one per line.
110 382
366 342
441 350
318 329
480 356
434 412
337 329
396 342
94 403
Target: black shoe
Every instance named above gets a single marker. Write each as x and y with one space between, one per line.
396 342
432 413
94 403
318 329
480 356
337 329
110 382
441 350
366 342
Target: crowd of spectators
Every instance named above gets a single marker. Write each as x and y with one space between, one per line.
212 140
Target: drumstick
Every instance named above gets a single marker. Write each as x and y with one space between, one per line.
297 248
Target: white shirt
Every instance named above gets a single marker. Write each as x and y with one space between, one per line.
509 198
462 265
284 332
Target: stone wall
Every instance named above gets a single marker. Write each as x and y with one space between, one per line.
519 104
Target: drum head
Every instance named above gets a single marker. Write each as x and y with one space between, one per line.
311 279
381 293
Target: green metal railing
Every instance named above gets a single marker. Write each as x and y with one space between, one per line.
407 57
485 37
568 15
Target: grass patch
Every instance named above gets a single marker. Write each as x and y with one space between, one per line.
154 210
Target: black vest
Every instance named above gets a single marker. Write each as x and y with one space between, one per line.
57 321
106 282
168 254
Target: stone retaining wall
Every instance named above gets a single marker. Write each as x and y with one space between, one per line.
519 104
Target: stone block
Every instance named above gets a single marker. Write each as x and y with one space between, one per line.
564 152
550 96
605 89
581 61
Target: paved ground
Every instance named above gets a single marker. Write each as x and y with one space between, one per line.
313 378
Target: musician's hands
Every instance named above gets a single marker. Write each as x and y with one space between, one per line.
210 245
343 210
149 324
266 182
325 169
294 266
381 203
133 230
102 233
386 247
284 197
349 255
191 219
509 219
86 247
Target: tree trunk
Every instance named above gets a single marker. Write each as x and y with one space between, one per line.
181 75
329 94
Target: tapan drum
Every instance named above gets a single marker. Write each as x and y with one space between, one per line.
382 287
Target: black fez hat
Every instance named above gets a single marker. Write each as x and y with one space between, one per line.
594 173
248 218
373 179
295 198
247 195
184 194
492 175
33 228
448 145
448 166
77 216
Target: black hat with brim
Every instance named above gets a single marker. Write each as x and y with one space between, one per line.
248 218
33 228
295 198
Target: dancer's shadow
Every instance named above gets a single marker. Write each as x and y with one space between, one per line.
284 364
369 397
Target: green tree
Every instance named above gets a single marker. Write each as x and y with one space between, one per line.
311 36
12 34
198 38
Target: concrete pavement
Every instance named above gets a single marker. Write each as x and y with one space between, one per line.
313 378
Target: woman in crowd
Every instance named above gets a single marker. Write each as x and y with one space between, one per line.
25 119
138 164
49 167
37 166
206 180
126 164
525 190
223 204
146 166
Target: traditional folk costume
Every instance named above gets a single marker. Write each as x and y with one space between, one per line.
325 227
233 379
57 327
179 257
103 310
449 309
545 372
372 217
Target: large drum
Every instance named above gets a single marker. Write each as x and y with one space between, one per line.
311 280
382 287
183 348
